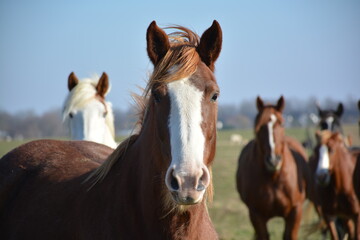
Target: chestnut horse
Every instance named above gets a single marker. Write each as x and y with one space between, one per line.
155 185
86 111
272 175
356 177
332 165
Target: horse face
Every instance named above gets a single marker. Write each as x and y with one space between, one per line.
330 119
191 127
88 123
270 133
325 155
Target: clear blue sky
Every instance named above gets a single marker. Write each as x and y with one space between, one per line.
295 48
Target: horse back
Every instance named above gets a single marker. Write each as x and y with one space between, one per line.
28 172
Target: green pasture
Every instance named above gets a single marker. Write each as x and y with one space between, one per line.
228 213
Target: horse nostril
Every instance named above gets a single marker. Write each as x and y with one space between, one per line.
203 181
174 183
200 187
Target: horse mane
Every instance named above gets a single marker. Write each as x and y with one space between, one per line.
81 94
180 61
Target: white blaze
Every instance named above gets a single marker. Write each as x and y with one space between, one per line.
186 136
271 134
329 122
90 124
324 161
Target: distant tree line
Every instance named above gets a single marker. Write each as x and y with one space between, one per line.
49 124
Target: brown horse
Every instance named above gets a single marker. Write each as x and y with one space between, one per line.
272 173
332 165
356 177
153 186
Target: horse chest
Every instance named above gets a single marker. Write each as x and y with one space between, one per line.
272 197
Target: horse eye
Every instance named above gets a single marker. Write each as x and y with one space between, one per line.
214 97
71 115
156 97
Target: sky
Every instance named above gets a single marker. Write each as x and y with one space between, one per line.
299 49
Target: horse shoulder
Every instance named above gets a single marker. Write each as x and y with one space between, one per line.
295 145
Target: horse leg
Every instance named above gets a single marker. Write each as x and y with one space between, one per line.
259 224
350 229
292 223
331 225
357 227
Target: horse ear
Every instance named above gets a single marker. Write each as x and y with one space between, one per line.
340 110
157 43
72 81
210 45
103 85
280 104
259 104
319 109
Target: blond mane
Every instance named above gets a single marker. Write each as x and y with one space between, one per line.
180 61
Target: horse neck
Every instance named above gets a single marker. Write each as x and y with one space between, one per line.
143 168
109 139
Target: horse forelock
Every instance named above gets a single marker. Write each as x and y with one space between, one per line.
180 61
263 117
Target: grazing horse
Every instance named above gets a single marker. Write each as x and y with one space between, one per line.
155 185
331 119
272 174
332 165
87 113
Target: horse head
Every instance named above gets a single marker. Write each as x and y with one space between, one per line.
330 119
182 106
89 116
326 153
270 132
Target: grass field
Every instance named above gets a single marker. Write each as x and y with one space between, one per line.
228 213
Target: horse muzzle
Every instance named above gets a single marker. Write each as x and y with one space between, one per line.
323 177
187 188
273 162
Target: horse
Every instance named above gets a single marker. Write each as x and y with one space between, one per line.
88 114
272 174
154 185
330 119
332 166
356 176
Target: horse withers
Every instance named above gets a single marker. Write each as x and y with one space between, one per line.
332 166
272 175
155 185
88 114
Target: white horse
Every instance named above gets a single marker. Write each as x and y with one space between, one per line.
87 113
